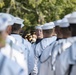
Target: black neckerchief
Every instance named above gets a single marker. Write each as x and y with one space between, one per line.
38 40
58 39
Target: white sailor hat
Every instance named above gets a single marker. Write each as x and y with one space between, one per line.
7 17
57 23
67 16
22 25
19 21
39 27
72 18
3 25
47 26
64 23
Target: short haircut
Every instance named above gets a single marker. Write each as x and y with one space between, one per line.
49 31
16 27
65 31
73 29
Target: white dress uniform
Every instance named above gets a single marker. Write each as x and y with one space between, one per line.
40 28
60 44
45 58
66 63
30 55
28 51
8 67
13 51
72 62
61 64
35 70
60 47
43 53
66 59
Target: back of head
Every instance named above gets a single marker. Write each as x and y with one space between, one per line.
73 29
18 24
72 21
48 30
66 32
64 28
16 27
57 28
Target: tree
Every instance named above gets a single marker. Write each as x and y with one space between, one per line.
38 11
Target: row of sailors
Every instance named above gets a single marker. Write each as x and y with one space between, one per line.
52 54
55 52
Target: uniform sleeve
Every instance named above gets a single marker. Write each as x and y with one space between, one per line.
37 53
35 69
30 57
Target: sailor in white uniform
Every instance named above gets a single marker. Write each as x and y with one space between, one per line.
39 34
44 49
7 67
28 50
11 50
66 63
60 44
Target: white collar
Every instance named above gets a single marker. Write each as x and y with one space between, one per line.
47 41
10 38
15 35
71 39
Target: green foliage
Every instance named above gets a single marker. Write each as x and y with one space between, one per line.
1 4
38 11
35 3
